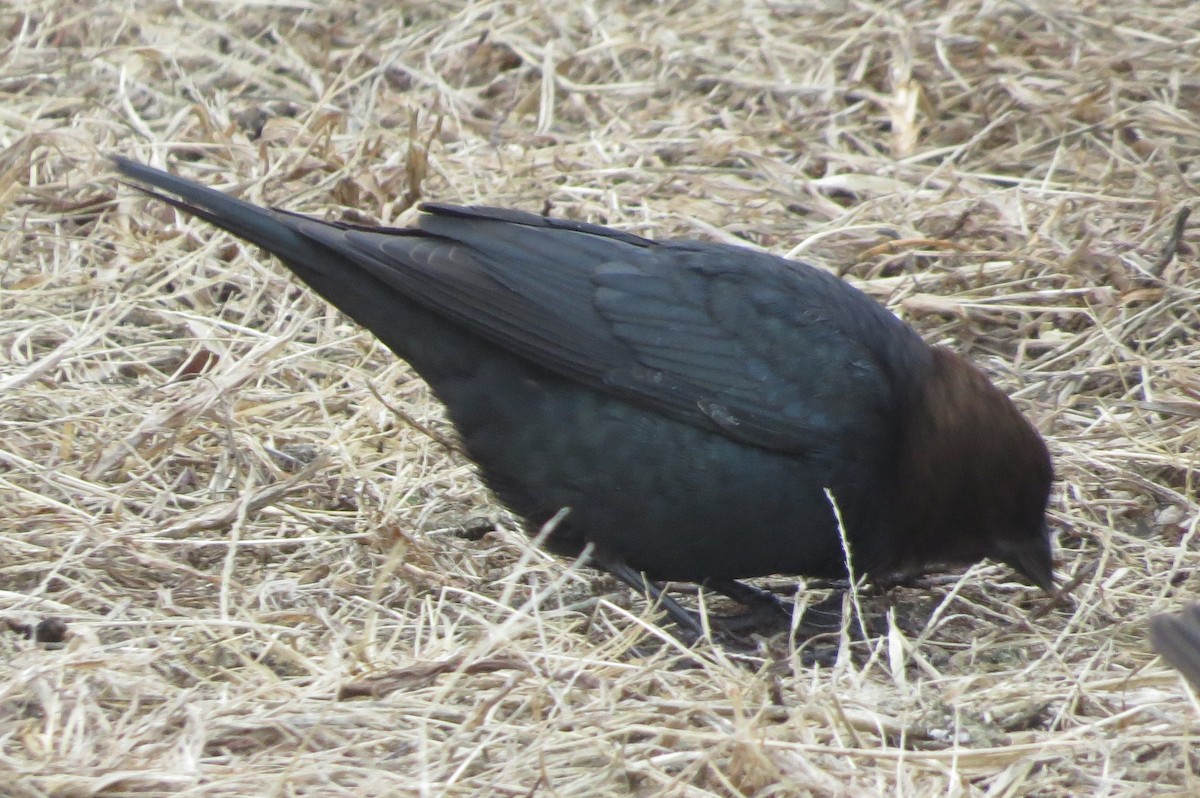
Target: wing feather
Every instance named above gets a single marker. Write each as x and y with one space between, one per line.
770 352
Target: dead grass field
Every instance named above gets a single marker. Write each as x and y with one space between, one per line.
276 581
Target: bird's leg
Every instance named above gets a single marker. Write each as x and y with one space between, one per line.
763 608
686 619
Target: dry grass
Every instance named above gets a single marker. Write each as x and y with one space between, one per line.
262 567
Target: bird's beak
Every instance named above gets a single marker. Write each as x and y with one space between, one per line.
1031 560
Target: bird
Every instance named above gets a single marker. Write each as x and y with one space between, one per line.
678 411
1176 637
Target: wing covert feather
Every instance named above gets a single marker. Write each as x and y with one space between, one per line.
766 351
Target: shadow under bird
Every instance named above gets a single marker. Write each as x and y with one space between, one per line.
689 403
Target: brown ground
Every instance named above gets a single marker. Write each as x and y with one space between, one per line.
265 569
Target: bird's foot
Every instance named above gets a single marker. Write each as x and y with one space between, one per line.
764 611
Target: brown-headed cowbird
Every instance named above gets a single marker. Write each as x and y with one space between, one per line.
688 403
1176 636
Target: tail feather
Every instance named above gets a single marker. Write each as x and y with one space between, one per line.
436 347
252 223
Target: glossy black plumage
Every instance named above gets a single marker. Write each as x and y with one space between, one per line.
689 402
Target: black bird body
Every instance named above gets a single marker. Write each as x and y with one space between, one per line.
688 402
